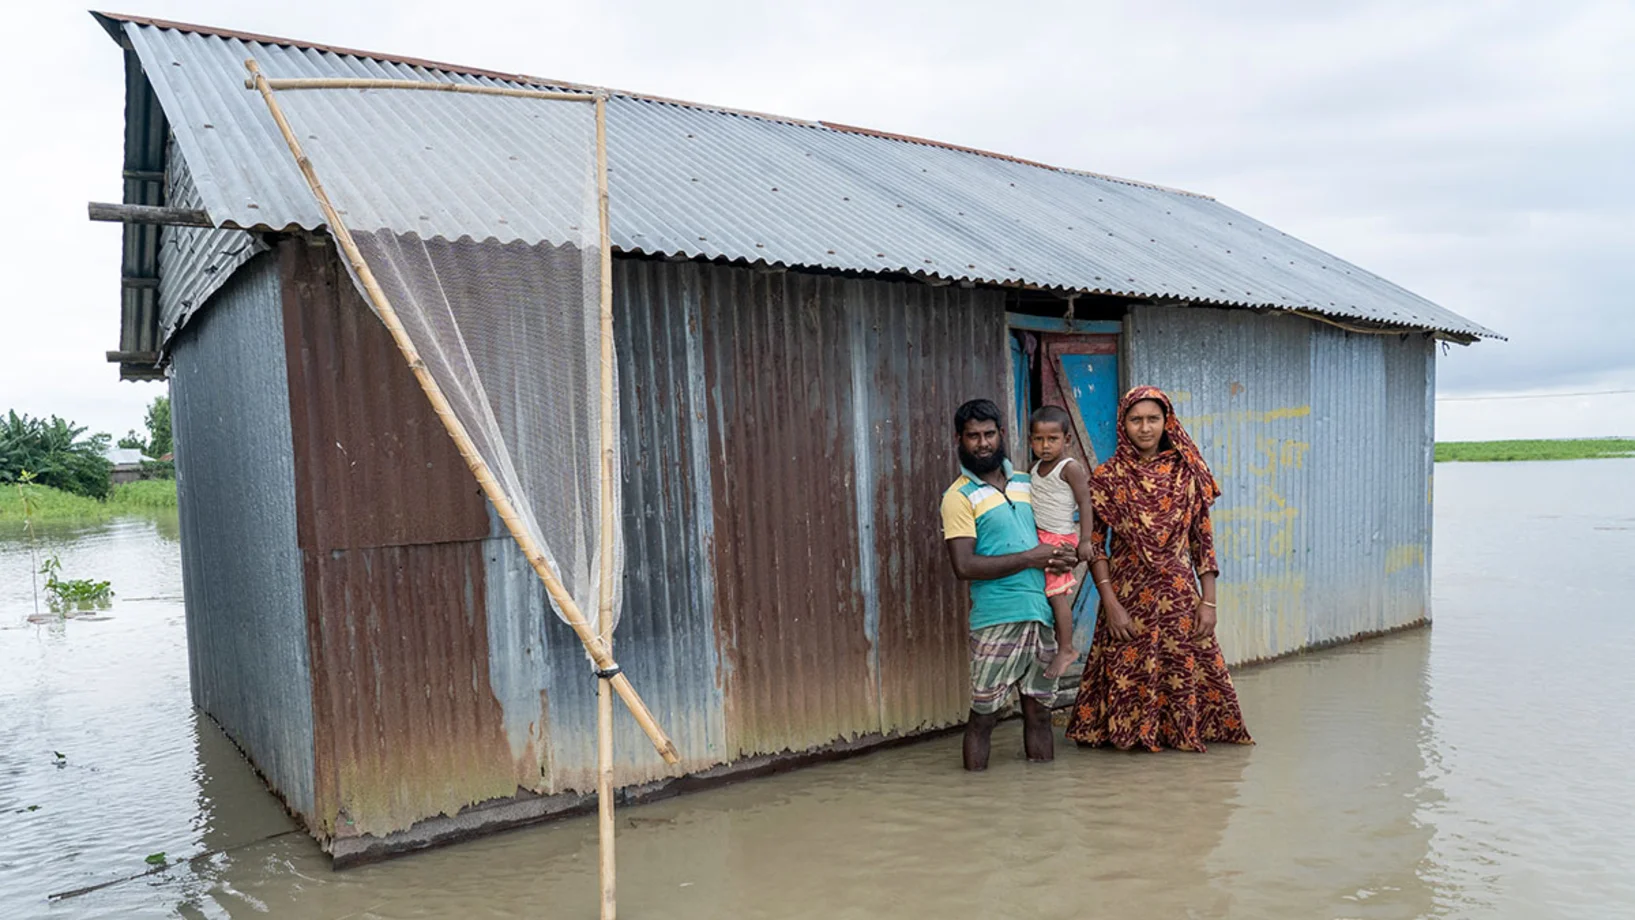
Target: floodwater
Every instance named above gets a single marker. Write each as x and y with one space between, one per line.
1483 768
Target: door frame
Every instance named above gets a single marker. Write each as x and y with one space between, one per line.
1085 603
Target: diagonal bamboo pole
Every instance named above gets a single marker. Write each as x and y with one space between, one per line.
571 613
604 696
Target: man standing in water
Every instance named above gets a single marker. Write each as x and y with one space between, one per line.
987 521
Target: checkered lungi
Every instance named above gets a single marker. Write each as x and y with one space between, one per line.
1011 655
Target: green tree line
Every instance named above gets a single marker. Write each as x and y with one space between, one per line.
63 455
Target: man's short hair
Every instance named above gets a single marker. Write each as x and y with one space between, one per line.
1052 415
977 410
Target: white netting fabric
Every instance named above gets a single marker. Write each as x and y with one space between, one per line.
477 216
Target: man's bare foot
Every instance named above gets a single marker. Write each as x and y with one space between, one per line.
1064 659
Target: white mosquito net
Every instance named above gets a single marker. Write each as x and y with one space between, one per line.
478 217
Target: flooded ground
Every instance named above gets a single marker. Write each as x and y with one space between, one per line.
1483 768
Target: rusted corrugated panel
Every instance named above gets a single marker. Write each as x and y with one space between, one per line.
789 608
380 468
392 528
921 352
408 726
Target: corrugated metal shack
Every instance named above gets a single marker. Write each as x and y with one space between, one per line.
800 306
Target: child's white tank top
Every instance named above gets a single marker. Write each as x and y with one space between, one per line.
1053 504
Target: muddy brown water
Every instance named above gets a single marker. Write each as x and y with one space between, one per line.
1481 768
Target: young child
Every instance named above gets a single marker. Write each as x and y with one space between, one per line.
1061 487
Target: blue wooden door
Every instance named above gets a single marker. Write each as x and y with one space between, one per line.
1092 381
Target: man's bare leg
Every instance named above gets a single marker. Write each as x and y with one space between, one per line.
979 739
1038 739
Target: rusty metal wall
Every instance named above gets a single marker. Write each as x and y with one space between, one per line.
918 352
831 405
391 528
786 441
1322 442
789 608
380 469
241 568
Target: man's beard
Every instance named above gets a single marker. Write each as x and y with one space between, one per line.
982 466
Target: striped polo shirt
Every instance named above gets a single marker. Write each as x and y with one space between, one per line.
1001 523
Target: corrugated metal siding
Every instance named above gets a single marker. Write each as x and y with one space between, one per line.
378 467
700 182
920 352
831 401
408 726
1320 440
392 530
789 605
241 569
1410 400
666 640
193 262
1349 437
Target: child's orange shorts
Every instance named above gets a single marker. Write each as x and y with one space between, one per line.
1062 582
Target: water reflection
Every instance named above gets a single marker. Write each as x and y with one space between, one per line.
1328 822
1478 769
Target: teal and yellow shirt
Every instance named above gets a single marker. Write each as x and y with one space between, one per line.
1001 523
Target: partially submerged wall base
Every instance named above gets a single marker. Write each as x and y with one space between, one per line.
526 809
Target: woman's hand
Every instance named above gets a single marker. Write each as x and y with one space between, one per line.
1119 624
1203 621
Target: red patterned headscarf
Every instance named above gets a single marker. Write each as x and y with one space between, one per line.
1153 502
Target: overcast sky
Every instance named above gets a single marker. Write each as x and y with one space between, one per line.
1477 153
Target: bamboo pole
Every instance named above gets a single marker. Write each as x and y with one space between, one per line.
604 698
368 83
479 468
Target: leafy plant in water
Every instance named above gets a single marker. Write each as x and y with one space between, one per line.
73 593
156 859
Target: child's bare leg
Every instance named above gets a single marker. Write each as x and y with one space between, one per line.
1061 606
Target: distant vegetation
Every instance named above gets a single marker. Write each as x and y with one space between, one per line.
68 472
57 452
48 504
1583 449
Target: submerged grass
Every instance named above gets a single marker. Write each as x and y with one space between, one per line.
145 497
1580 449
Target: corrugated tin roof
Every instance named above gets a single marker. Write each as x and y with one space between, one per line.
712 183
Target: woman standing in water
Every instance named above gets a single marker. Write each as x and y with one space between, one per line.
1155 677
